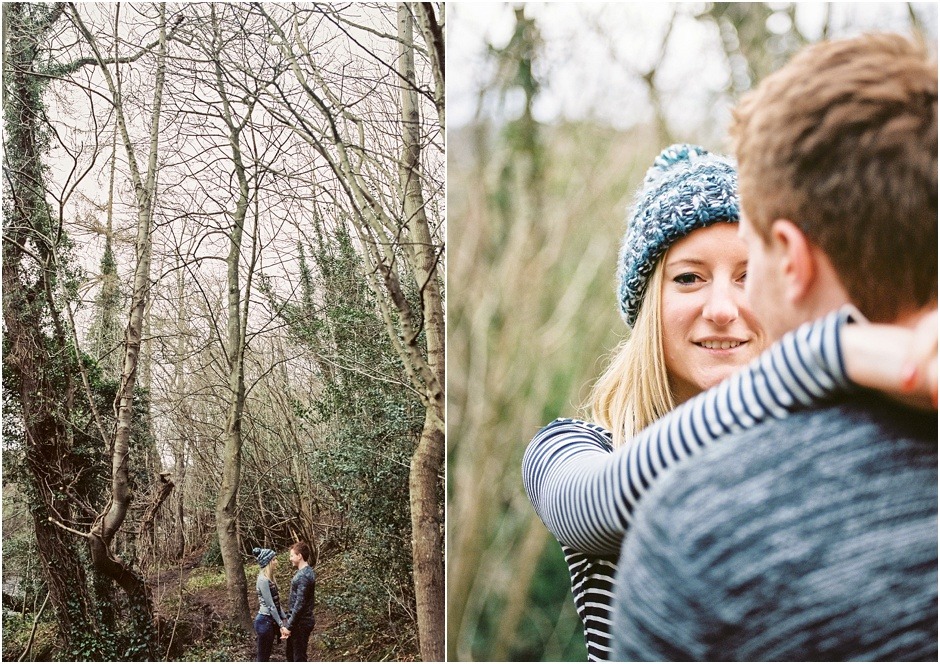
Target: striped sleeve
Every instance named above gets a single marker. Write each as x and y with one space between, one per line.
585 493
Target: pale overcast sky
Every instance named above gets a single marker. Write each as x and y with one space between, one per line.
587 81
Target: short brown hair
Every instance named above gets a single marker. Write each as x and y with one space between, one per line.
301 549
842 141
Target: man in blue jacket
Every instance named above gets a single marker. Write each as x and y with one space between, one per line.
299 623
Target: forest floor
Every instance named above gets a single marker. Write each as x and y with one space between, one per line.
193 624
204 632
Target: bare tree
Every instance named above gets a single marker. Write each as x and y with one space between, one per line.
237 319
428 460
111 518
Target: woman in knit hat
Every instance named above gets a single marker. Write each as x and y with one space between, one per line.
681 254
270 616
681 277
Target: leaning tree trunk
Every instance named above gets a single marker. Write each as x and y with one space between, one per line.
111 519
433 33
428 459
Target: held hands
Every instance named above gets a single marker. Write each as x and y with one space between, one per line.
284 633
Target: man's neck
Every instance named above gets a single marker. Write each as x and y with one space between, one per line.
910 319
826 292
301 565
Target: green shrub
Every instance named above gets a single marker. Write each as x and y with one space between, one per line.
213 555
16 630
200 579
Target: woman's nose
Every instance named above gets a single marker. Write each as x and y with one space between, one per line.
721 307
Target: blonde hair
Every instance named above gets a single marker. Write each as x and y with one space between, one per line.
268 570
634 390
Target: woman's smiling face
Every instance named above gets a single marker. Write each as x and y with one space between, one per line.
709 330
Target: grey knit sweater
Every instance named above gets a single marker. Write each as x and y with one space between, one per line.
269 600
812 538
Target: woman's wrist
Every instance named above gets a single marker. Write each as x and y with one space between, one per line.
892 359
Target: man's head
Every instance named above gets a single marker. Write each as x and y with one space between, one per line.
299 554
837 162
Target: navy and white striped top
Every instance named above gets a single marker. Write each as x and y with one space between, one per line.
585 492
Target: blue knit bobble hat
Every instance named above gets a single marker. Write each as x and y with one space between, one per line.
264 556
686 188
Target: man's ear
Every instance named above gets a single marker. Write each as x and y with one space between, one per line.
797 260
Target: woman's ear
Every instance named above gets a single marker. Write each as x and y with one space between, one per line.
797 259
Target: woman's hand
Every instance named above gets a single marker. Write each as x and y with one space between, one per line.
920 372
899 361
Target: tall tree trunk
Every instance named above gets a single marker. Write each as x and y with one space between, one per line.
182 433
227 505
428 459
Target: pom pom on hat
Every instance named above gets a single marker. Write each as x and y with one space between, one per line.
685 189
673 155
264 556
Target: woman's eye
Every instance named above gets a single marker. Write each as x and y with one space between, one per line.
743 278
686 279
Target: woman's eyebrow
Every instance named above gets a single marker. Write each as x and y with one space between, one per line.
686 261
695 262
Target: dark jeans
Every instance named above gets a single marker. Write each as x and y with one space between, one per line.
296 646
268 632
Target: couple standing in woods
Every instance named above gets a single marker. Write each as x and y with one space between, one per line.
297 623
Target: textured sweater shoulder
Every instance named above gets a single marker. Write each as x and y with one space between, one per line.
812 538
